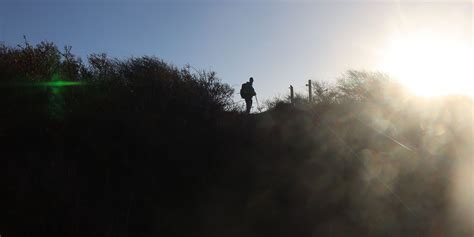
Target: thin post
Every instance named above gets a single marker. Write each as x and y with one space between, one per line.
310 89
292 96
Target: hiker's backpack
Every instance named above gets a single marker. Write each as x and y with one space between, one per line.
245 90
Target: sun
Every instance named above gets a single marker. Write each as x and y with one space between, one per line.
431 65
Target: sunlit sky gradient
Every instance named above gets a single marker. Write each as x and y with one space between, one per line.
277 42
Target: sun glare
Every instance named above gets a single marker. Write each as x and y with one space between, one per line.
431 66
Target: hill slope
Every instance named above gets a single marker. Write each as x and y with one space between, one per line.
144 148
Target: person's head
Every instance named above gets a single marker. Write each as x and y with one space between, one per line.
251 80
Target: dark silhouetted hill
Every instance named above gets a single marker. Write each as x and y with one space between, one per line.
138 147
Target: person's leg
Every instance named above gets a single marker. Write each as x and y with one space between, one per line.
248 102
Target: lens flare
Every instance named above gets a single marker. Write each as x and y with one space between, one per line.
430 65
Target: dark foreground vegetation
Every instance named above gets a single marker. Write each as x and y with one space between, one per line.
138 147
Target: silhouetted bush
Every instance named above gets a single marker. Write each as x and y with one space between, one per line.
133 85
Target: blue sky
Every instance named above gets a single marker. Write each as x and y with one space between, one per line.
277 42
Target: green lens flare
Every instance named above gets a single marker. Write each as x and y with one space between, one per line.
46 84
59 83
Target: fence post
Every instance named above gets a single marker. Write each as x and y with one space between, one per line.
310 96
292 97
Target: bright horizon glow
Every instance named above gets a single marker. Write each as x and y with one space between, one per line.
430 65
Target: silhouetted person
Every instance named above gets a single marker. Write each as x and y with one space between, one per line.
247 92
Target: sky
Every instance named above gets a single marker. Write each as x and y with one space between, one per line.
278 43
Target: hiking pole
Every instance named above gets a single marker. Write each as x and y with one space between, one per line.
258 106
